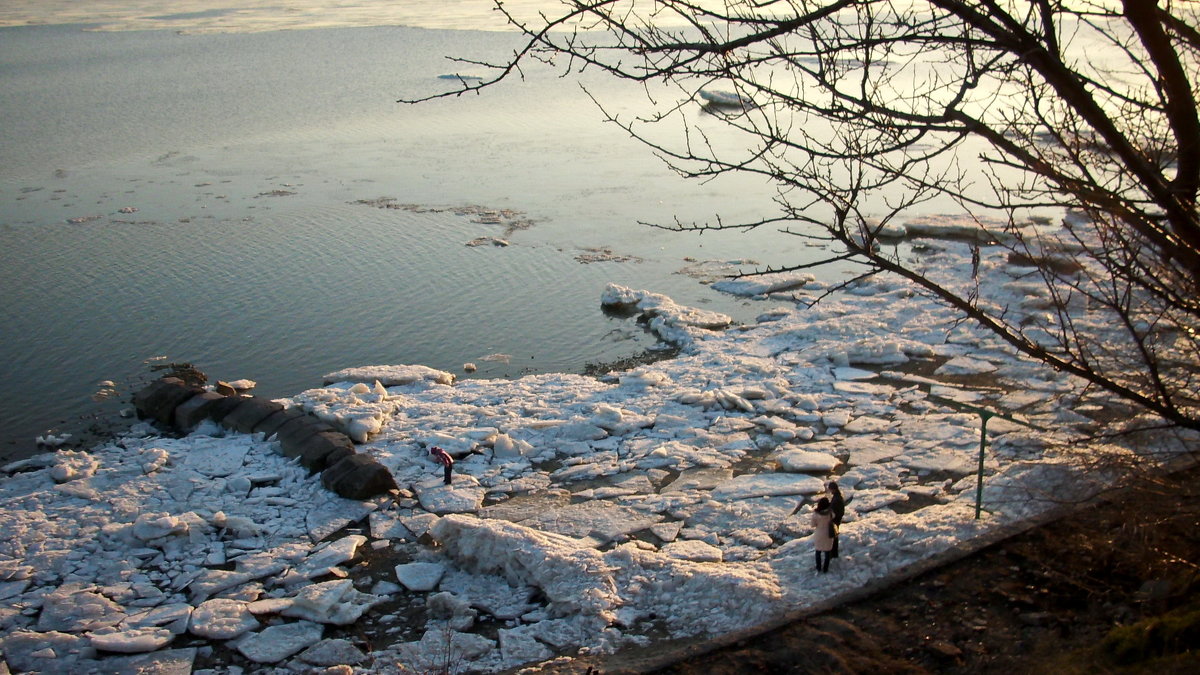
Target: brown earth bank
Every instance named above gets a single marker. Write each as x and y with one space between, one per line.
1109 589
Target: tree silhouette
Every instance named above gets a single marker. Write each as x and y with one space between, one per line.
861 110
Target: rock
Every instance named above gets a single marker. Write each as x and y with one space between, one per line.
292 435
358 477
221 408
250 411
272 423
190 413
226 389
1035 618
943 648
324 449
276 643
159 399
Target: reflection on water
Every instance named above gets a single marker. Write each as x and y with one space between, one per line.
200 198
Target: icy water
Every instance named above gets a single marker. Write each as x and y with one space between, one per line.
198 197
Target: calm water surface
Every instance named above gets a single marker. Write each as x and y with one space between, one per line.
196 197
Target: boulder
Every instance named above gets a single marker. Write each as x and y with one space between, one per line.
292 434
269 426
250 411
159 399
221 408
358 477
324 449
152 390
195 410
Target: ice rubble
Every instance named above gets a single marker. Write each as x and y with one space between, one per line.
585 512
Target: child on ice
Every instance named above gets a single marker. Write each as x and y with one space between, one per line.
442 457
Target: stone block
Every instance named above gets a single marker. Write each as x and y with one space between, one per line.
195 410
159 400
221 408
277 419
325 448
249 412
358 477
292 434
142 397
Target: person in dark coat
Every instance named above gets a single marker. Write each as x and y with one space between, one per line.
822 522
442 457
837 505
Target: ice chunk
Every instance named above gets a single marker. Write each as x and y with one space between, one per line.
963 365
464 495
52 651
173 617
276 643
694 550
335 602
764 284
603 521
325 519
805 461
154 525
131 641
332 555
420 576
216 457
390 376
387 525
490 593
865 424
222 619
73 611
519 646
335 652
768 484
699 479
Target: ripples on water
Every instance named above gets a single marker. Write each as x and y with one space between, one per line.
244 156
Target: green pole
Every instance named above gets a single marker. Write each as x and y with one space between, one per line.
983 418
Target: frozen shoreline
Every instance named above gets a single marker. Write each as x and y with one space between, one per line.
587 514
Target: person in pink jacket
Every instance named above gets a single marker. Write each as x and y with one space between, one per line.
823 536
442 457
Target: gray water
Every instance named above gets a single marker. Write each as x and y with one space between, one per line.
239 161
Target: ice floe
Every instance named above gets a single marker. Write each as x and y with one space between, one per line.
586 514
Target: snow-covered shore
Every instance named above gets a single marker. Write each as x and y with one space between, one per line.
586 515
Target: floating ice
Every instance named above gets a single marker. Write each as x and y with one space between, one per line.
420 576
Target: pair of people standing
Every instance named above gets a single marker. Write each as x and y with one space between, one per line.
826 520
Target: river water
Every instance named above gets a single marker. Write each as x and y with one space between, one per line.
198 196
